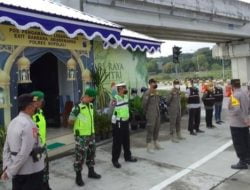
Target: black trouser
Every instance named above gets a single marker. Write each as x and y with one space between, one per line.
121 138
240 137
209 117
194 119
28 182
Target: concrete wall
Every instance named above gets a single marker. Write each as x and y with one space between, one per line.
70 3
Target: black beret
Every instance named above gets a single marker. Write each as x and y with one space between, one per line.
176 81
235 82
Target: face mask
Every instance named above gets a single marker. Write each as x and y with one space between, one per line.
155 86
125 91
177 86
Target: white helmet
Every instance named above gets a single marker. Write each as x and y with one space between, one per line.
120 84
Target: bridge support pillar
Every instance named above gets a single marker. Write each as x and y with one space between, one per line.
239 53
241 68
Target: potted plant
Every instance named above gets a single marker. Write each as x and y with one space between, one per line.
2 140
102 126
97 127
183 104
136 113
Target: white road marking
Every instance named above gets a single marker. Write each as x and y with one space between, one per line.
193 166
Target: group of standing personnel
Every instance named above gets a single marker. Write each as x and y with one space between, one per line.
25 157
212 97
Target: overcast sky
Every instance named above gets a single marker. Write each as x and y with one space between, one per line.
248 1
187 47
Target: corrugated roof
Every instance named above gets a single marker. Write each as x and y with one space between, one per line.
131 34
51 7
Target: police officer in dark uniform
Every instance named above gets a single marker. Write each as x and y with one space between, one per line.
218 94
194 108
209 100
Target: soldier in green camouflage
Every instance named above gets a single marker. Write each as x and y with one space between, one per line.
82 118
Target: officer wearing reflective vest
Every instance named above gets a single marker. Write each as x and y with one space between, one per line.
194 107
238 106
120 125
82 117
40 121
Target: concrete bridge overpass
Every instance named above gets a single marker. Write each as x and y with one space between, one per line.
193 20
224 22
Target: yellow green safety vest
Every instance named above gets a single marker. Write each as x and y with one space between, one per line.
84 123
40 121
121 110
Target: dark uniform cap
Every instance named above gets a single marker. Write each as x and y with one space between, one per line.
38 95
24 100
235 82
143 89
176 81
91 92
152 81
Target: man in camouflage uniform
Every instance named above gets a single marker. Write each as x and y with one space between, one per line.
174 102
40 121
150 103
82 118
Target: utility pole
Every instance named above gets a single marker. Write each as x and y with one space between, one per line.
197 62
81 5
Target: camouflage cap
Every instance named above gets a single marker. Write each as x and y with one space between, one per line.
38 95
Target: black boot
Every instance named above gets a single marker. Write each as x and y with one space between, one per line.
46 186
116 164
93 174
131 159
240 165
79 180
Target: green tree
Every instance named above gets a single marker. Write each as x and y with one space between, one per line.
168 67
